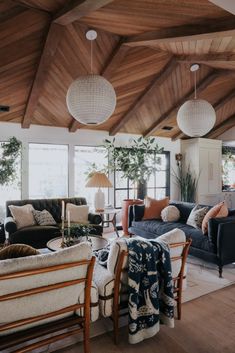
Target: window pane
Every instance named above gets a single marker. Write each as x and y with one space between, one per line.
120 195
160 193
11 191
48 170
85 156
121 183
162 165
151 192
160 179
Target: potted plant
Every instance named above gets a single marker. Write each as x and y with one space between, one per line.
136 162
186 180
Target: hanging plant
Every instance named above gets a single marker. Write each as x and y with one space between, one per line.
11 150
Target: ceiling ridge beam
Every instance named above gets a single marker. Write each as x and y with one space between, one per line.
157 81
48 52
228 123
202 30
113 62
221 102
205 82
77 9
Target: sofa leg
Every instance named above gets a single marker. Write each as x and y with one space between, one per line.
220 271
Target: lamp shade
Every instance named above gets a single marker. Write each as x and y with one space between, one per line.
196 117
91 99
99 180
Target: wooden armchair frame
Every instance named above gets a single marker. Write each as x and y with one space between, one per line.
83 322
178 284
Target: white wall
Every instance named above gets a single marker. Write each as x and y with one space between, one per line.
43 134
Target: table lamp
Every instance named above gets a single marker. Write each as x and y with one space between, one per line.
99 180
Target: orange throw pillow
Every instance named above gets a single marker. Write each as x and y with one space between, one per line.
153 208
219 210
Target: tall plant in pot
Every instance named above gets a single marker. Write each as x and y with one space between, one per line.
137 162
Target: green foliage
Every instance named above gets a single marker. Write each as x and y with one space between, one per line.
137 162
11 150
187 182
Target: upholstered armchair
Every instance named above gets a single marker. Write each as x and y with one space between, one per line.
112 281
45 294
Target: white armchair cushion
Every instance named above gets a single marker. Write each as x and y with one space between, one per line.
104 281
117 246
46 302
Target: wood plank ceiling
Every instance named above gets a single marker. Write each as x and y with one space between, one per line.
144 48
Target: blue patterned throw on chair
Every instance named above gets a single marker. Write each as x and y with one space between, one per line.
150 284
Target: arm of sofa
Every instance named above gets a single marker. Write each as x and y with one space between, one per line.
213 227
10 225
226 243
135 213
94 218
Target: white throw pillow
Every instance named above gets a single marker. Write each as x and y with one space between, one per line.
170 214
78 214
23 215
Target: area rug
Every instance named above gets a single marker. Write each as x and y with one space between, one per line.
203 278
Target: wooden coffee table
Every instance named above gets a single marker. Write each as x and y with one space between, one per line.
97 243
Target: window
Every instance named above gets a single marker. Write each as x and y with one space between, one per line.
48 170
228 163
11 191
85 156
158 185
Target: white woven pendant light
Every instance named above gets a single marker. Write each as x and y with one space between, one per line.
91 99
196 117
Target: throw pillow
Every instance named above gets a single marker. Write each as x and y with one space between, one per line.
219 210
78 214
23 215
153 208
170 214
196 216
17 250
44 218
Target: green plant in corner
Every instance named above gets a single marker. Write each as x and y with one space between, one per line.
187 183
11 150
136 162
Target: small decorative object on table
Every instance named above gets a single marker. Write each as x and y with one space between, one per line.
77 232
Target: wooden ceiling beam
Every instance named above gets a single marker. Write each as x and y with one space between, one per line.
113 62
201 58
217 106
48 52
157 81
162 120
219 129
77 9
206 30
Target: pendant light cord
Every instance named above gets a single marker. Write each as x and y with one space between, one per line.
195 84
91 57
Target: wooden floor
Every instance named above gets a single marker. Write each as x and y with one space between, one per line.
207 326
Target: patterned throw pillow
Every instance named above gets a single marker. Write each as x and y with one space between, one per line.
44 218
196 216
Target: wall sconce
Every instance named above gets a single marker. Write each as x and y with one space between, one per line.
178 158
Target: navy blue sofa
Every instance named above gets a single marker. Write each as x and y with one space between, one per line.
217 247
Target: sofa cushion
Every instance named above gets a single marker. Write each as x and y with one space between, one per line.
219 210
23 215
36 236
78 214
44 218
153 208
170 214
185 208
196 216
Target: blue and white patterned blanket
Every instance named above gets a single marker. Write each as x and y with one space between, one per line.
150 289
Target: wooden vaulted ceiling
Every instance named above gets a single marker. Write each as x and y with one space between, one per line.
144 48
